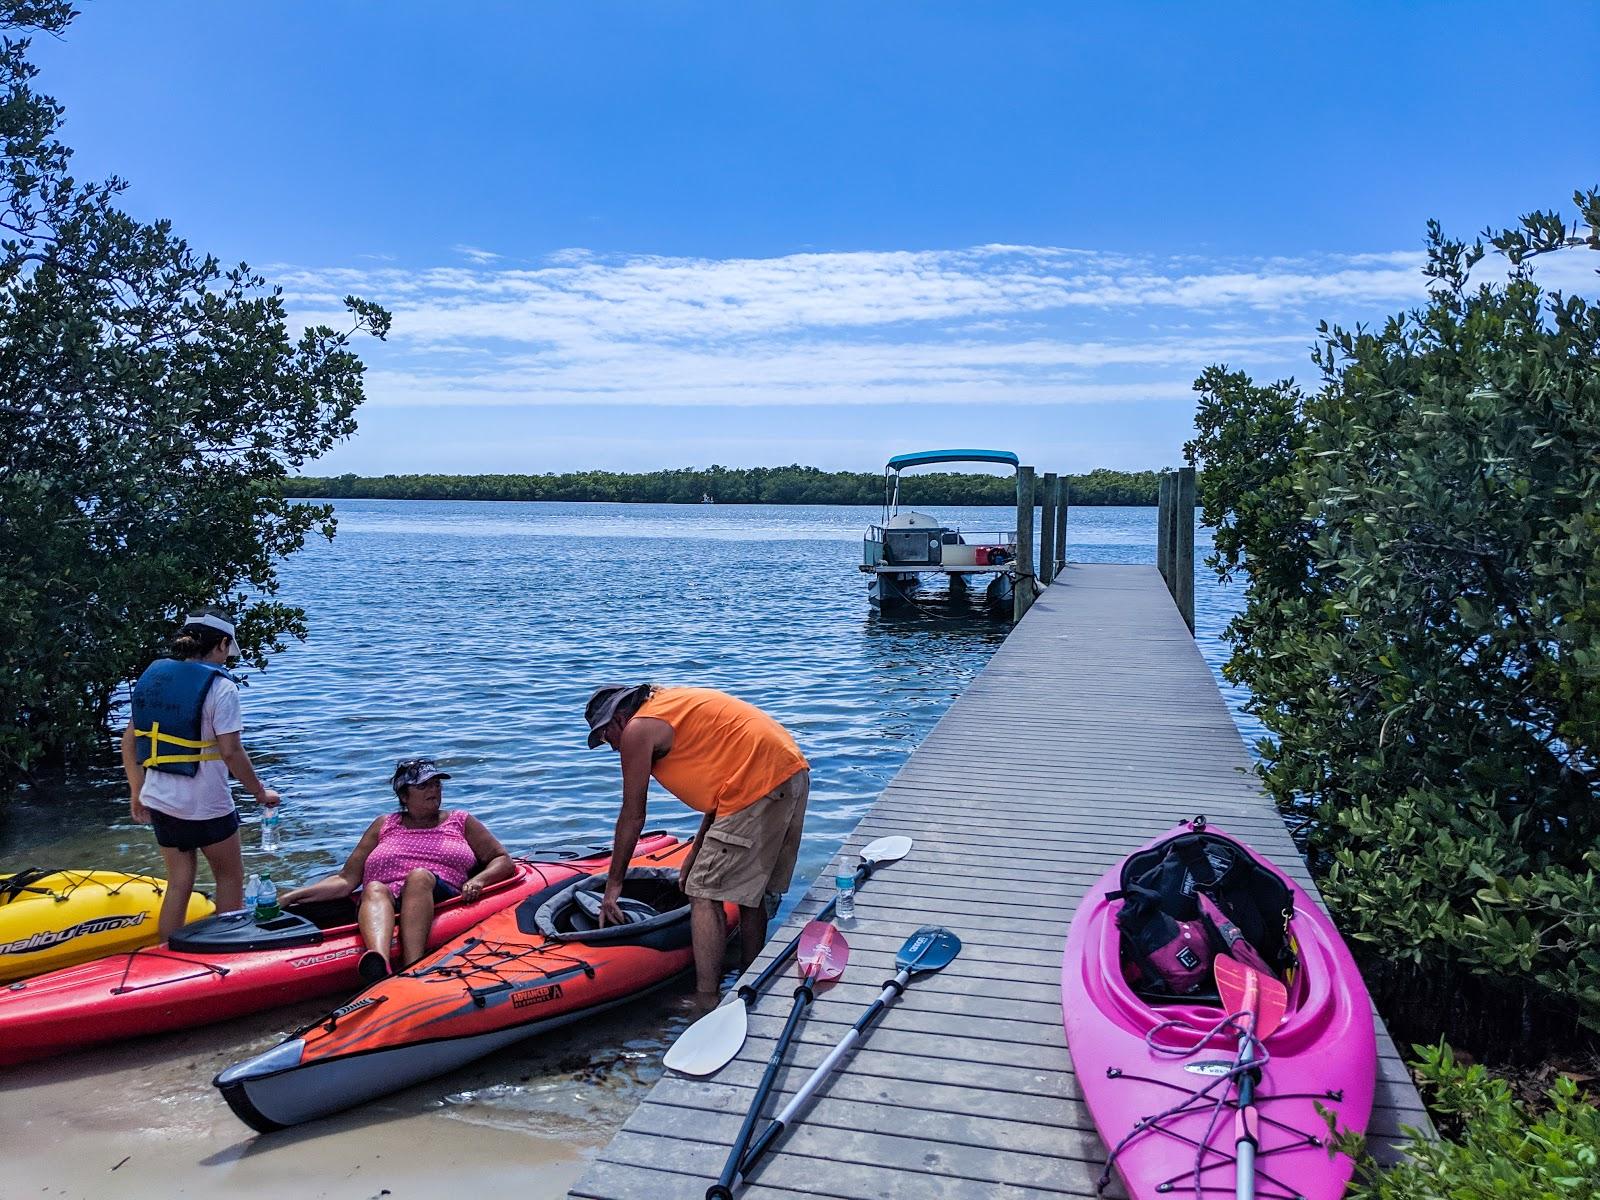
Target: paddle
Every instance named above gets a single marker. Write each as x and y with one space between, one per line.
930 948
714 1039
823 954
1262 999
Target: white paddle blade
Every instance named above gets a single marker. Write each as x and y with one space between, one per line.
711 1042
886 849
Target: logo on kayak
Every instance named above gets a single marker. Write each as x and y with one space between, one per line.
344 1010
1209 1068
330 956
538 995
46 938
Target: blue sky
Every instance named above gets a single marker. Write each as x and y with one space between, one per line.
634 235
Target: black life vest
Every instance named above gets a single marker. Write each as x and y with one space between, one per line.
168 702
1191 897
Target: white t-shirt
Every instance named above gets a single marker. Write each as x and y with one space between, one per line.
205 794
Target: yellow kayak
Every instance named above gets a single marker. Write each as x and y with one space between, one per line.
51 919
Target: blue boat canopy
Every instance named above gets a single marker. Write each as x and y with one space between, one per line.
901 461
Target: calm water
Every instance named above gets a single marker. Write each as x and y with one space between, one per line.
475 631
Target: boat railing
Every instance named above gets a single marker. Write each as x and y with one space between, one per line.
986 537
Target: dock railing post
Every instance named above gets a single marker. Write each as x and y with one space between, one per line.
1022 570
1058 536
1050 494
1164 528
1183 559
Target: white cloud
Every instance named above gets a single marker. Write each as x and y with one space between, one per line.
481 257
996 323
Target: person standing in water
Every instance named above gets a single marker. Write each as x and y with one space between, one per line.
737 766
178 749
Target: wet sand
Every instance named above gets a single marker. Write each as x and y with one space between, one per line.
142 1119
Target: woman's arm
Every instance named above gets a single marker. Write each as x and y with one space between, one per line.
343 881
497 864
135 774
239 766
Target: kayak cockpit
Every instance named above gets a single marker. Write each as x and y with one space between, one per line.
656 911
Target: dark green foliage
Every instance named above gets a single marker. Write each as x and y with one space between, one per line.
1490 1147
725 485
1422 634
151 403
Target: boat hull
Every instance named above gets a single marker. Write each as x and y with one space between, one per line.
475 995
1323 1054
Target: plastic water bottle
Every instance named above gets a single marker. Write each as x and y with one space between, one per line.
844 907
267 901
252 895
269 830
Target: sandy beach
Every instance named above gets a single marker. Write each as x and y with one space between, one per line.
142 1120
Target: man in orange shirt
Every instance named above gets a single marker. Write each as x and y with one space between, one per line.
728 760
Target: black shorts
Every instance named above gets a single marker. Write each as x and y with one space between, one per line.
177 833
442 891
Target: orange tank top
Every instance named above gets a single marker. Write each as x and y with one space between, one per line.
726 754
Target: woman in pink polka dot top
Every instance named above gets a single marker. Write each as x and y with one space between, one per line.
410 860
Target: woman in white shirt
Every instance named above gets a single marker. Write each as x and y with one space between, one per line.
180 745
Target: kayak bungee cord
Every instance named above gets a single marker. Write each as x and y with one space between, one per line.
206 968
1196 1101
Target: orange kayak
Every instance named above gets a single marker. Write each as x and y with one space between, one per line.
521 972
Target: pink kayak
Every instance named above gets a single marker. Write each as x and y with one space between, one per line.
1158 1059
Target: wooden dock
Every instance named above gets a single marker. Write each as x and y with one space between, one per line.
1095 727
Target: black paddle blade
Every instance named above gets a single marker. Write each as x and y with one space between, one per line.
930 948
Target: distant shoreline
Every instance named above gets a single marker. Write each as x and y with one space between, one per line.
723 485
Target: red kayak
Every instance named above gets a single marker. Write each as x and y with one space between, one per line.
229 965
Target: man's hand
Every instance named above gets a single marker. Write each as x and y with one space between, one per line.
270 798
140 813
610 910
684 868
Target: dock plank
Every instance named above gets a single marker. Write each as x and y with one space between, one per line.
1094 728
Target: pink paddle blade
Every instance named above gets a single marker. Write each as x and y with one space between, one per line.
1245 989
823 952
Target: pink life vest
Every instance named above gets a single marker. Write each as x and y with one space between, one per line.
444 850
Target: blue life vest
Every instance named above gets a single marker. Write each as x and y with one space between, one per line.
168 702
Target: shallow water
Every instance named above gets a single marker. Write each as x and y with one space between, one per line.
475 632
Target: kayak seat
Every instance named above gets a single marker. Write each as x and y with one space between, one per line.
327 914
1190 898
657 911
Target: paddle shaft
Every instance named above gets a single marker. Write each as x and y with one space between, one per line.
752 990
1245 1124
723 1188
774 1130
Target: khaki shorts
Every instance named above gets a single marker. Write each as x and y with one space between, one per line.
752 852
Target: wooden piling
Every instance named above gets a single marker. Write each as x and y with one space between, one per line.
1164 528
1060 535
1183 556
1050 496
1022 592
